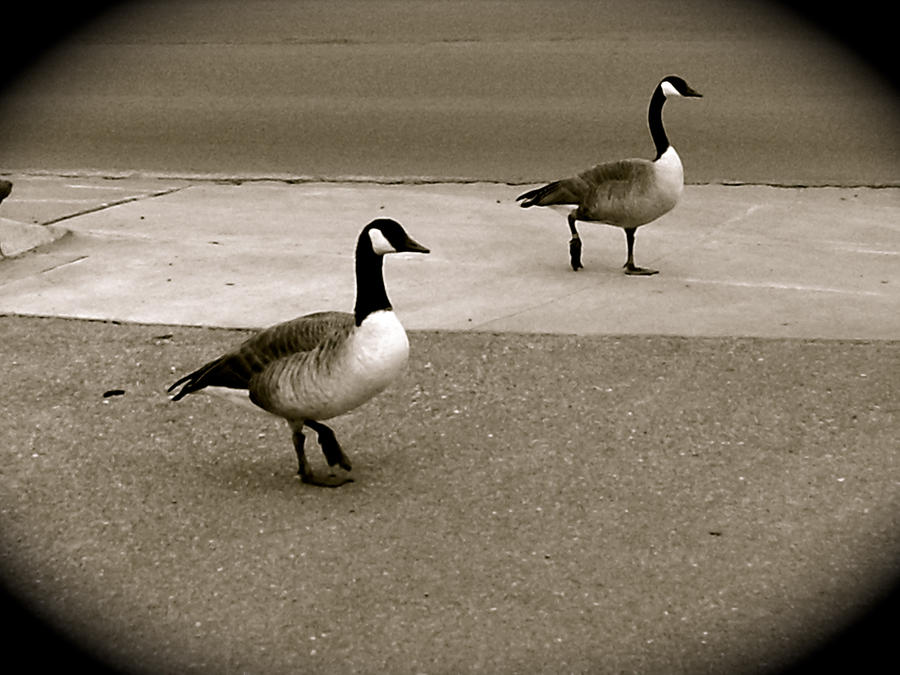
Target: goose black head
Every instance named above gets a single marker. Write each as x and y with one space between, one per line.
388 236
676 86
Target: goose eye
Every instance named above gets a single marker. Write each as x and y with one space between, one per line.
380 244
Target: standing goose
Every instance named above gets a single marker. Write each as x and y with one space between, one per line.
628 193
324 364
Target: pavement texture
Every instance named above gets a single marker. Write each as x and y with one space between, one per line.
579 472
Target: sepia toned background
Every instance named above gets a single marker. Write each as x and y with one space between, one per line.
502 90
716 498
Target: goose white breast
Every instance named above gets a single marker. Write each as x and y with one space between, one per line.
373 355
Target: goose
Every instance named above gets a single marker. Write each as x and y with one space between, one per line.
323 364
627 193
5 188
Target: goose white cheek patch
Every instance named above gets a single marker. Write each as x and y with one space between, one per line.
380 244
669 90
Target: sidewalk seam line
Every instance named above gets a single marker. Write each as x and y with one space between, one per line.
108 205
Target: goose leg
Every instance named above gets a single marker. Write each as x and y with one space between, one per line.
574 244
305 473
630 267
332 450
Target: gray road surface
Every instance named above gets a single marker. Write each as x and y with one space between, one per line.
523 503
499 90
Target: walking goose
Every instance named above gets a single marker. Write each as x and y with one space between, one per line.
324 364
628 193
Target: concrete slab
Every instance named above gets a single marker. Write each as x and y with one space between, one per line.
17 238
734 260
47 198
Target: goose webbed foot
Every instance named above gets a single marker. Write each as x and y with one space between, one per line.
575 252
634 270
331 481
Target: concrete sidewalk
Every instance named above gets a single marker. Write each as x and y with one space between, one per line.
733 260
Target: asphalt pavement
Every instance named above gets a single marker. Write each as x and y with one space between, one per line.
579 472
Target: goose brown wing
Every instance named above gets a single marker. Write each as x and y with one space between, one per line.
616 188
234 369
610 177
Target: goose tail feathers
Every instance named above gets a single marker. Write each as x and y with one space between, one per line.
191 385
557 192
184 391
193 381
531 197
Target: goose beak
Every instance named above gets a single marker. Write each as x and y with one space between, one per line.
692 92
412 246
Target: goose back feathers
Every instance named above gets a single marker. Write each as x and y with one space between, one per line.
237 368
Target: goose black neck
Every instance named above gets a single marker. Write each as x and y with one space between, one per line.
657 131
371 295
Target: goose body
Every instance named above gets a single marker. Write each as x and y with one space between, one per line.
343 371
320 365
627 193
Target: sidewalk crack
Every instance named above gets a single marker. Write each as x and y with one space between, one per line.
119 202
